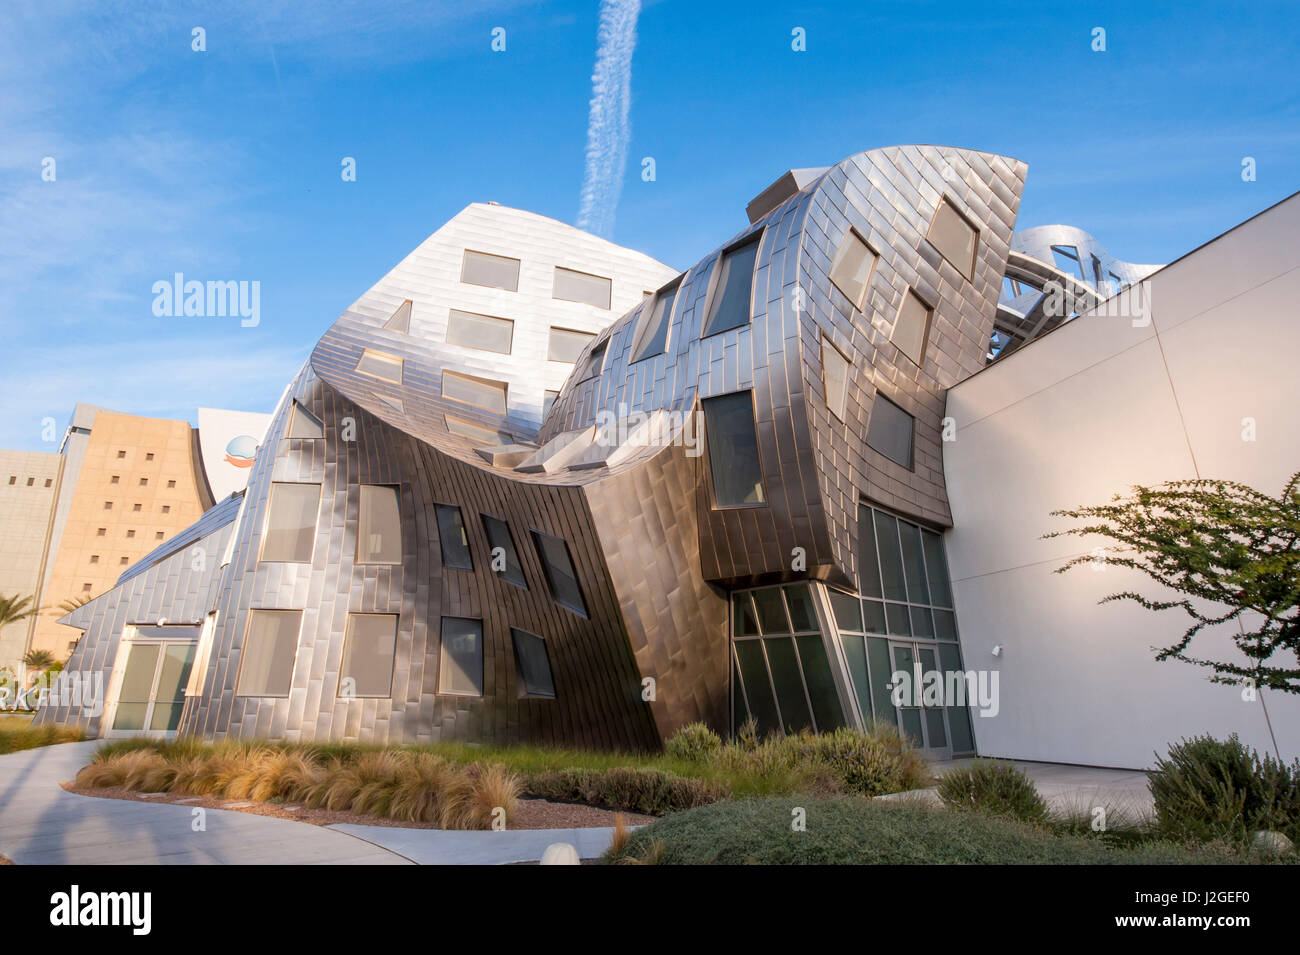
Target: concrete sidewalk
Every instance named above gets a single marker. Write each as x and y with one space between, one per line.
443 847
1067 789
41 824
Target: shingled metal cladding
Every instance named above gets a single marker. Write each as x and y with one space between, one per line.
646 648
177 582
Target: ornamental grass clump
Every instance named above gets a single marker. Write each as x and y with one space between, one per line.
993 788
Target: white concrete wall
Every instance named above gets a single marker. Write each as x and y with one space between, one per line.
1079 416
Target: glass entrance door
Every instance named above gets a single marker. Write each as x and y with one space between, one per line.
923 720
152 691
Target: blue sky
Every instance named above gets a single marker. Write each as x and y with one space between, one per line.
225 164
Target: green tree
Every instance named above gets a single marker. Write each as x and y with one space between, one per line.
38 659
15 608
1215 542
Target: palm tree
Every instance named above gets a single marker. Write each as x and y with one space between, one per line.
75 603
15 608
38 659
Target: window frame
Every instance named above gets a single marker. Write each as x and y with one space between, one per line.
523 691
758 450
243 657
384 358
266 523
911 447
464 258
967 270
345 660
442 658
609 302
361 505
438 509
715 280
849 234
545 561
485 519
641 337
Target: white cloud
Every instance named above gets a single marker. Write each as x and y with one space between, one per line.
608 128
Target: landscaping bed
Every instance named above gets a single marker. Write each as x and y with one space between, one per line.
857 831
17 733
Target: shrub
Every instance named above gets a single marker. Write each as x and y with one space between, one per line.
850 830
1210 789
993 788
694 743
28 737
649 791
870 764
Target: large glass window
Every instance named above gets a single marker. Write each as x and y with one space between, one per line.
480 392
368 649
452 537
379 525
566 344
733 450
504 559
573 286
729 302
890 431
560 575
532 664
460 670
906 622
270 646
851 271
494 271
781 671
954 236
291 523
652 336
594 363
471 330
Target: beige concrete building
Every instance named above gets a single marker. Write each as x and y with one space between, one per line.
139 481
29 488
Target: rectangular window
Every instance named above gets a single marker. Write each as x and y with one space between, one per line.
729 302
460 670
835 378
560 575
480 392
291 523
912 327
652 336
504 558
855 261
304 424
571 286
471 330
532 665
889 431
595 362
476 432
270 645
379 525
493 271
733 450
566 344
452 537
955 237
377 364
368 650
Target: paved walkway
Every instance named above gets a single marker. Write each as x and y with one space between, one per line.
42 824
1073 790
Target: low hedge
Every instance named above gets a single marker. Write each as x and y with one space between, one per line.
649 791
848 830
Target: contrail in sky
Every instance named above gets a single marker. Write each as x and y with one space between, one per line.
608 129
